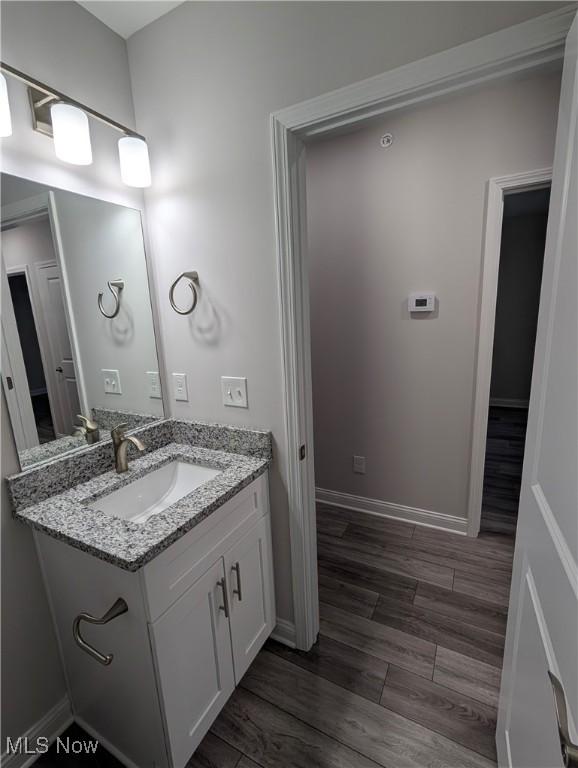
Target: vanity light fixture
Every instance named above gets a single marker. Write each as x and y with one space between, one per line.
135 169
68 121
5 118
71 134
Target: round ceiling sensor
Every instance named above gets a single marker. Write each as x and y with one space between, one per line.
386 140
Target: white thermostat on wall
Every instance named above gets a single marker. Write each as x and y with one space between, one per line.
421 302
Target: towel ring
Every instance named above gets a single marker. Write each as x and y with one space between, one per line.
193 278
112 285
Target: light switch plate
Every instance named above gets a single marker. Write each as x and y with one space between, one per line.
234 391
180 386
359 465
154 384
111 381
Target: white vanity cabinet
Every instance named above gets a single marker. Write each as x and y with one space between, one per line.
197 616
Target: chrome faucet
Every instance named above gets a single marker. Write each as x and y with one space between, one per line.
120 443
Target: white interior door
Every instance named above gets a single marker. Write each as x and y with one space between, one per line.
59 364
14 378
542 631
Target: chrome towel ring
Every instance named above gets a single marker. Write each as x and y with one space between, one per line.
115 287
193 278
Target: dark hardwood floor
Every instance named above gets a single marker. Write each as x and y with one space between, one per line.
503 469
406 671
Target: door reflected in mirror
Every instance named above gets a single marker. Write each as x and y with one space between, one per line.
78 342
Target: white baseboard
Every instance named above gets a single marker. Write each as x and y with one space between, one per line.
284 632
54 722
105 743
505 402
425 517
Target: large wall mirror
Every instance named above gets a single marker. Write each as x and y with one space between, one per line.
79 354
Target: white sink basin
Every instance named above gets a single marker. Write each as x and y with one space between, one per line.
154 492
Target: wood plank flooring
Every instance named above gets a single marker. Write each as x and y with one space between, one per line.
503 469
406 671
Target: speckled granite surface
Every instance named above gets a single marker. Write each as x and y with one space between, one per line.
67 516
41 481
63 472
49 450
107 419
54 496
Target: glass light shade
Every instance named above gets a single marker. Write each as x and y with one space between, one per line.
135 169
5 119
71 134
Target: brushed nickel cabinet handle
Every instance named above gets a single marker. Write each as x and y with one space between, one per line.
237 569
117 609
225 607
567 746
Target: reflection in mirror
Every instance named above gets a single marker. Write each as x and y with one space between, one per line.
78 343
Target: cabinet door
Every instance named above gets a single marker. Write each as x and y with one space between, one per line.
250 582
194 665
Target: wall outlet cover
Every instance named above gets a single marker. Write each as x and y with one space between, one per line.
154 384
359 465
180 386
234 391
111 381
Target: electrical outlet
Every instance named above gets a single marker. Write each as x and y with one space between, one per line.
154 384
111 381
359 465
180 386
234 391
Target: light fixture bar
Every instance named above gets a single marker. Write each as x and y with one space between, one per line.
58 95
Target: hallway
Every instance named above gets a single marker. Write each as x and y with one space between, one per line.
503 469
406 671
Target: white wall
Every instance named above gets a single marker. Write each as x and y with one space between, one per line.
205 79
395 388
63 45
102 242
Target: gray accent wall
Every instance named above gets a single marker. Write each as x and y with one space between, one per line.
395 388
32 677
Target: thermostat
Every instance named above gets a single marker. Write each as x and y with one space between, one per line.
421 302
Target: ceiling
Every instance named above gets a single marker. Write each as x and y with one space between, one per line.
126 17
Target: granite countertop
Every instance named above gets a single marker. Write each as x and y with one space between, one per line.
129 545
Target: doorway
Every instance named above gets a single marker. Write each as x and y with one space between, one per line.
32 356
42 388
523 238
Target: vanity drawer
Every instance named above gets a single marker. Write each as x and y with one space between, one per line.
169 575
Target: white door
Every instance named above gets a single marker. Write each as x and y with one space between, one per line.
542 633
60 372
250 581
14 378
195 667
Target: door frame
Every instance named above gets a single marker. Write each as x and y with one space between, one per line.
496 191
44 347
32 209
18 395
530 45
